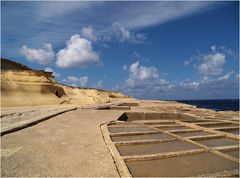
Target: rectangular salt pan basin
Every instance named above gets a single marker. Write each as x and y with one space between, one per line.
190 165
160 123
174 128
195 133
219 125
232 131
124 124
216 142
234 153
199 121
143 149
128 129
160 136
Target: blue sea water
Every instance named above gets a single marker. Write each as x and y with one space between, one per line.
217 105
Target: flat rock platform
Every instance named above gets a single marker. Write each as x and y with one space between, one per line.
70 144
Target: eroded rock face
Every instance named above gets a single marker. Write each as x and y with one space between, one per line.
29 87
23 86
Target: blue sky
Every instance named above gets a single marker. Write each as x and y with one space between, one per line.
149 50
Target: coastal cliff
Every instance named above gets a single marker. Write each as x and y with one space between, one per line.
22 86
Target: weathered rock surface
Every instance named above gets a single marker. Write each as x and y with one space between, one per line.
22 86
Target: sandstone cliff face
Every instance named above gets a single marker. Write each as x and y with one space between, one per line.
31 88
22 86
28 88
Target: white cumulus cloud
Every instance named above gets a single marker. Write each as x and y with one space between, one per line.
143 72
145 82
75 81
212 64
226 76
143 79
78 53
40 56
124 35
89 33
190 85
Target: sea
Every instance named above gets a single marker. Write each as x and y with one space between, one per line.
217 105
